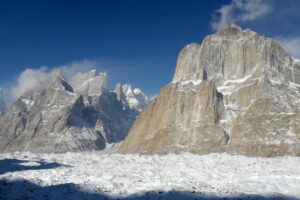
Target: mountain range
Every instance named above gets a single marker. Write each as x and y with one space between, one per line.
76 115
237 92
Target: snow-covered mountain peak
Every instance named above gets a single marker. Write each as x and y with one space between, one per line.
89 83
134 98
57 82
137 91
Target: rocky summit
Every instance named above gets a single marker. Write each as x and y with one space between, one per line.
237 92
76 115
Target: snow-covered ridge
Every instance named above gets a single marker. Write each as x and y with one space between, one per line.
93 83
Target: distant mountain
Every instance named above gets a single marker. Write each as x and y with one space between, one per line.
134 98
78 115
90 83
2 103
237 92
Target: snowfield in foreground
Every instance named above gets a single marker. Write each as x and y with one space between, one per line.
98 175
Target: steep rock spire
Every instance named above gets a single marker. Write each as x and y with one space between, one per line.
237 92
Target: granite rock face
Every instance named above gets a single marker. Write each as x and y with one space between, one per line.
66 117
237 92
2 103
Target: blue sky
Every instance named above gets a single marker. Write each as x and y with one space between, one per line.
135 42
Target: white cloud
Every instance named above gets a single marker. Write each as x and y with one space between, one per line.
250 10
35 80
29 80
239 11
290 45
70 69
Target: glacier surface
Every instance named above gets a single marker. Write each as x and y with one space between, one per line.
105 175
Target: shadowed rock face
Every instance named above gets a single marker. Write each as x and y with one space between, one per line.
61 120
237 92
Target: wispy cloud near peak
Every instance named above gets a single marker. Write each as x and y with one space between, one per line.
291 45
37 79
30 79
239 11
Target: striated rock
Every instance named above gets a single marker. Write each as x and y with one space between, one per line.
60 120
172 121
237 92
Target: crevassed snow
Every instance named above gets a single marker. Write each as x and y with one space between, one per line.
75 175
